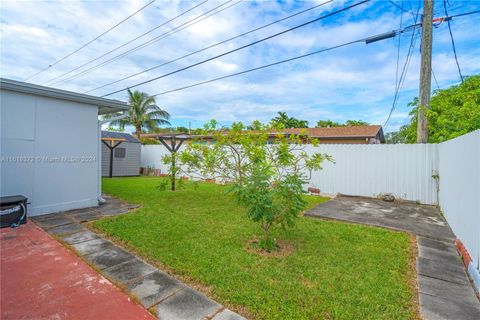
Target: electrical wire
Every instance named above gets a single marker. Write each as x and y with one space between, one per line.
447 18
453 41
398 48
126 43
209 47
401 81
91 41
435 78
241 47
398 32
166 34
401 8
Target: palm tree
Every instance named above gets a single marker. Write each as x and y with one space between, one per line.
143 113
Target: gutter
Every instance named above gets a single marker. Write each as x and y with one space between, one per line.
124 114
29 88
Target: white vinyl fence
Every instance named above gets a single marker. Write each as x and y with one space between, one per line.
459 168
152 156
406 170
363 170
367 170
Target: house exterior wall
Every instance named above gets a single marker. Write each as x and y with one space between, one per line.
128 166
49 152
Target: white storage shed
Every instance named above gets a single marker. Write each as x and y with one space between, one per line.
50 146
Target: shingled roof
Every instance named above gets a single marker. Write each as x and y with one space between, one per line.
340 132
119 135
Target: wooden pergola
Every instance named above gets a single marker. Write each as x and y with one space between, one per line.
111 144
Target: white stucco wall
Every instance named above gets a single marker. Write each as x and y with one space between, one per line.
49 152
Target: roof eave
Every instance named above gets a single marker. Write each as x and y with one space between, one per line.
105 106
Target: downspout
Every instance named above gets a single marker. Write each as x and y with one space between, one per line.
124 114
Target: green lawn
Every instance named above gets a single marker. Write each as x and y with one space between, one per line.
336 270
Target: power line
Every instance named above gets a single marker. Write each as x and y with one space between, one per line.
447 18
168 33
179 28
397 32
242 47
463 14
210 46
91 41
398 48
402 8
401 81
126 43
435 78
453 41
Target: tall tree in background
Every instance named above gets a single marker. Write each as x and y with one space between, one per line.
356 123
348 123
283 121
453 112
143 113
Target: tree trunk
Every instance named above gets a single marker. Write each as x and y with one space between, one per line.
138 132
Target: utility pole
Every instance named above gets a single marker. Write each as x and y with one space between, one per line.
425 71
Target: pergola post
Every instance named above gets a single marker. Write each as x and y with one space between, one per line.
113 143
170 142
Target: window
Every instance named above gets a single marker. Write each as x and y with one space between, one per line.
119 152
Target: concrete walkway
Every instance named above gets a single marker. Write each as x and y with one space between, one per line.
445 291
162 294
41 279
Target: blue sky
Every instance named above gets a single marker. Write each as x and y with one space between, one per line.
354 82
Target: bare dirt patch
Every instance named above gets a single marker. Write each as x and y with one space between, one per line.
283 249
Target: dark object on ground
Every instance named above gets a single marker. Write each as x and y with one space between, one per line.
387 197
314 190
13 211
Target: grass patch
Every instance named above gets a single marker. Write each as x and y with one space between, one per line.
334 270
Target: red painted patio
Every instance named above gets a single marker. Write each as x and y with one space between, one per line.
41 279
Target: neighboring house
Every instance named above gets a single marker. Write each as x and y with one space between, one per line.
50 146
126 157
333 135
343 135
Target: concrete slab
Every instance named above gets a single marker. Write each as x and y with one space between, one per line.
421 220
435 254
187 304
87 216
154 287
432 307
41 279
54 220
436 244
115 211
128 271
91 246
67 229
80 211
458 293
442 270
80 237
109 257
227 314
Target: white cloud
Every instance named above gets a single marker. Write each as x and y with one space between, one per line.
353 82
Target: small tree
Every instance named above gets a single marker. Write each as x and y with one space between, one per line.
266 171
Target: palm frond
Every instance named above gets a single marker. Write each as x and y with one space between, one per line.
159 114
